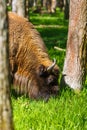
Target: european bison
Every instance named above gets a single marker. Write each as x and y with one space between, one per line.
32 70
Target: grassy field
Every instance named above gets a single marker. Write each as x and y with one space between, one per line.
68 111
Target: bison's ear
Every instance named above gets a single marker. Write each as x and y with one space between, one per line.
42 71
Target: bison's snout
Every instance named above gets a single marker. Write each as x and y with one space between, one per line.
55 90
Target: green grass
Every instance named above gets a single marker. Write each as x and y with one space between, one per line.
68 111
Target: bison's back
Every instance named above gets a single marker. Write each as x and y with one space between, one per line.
25 43
21 31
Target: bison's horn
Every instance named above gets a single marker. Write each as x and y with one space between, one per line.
51 67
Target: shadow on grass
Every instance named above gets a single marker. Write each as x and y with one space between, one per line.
54 36
48 18
48 21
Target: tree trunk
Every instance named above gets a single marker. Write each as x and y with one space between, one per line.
53 6
48 6
5 102
44 3
66 9
18 6
35 3
27 9
74 71
30 3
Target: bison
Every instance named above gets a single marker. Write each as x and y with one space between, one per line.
32 71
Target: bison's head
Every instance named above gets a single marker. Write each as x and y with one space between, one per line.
48 80
42 82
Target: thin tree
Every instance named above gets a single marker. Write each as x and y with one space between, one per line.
43 3
5 102
66 9
9 2
60 4
53 6
75 66
27 9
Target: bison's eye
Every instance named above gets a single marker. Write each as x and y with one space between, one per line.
51 80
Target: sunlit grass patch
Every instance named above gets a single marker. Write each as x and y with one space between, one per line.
67 111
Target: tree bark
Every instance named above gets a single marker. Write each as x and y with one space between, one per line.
5 102
75 66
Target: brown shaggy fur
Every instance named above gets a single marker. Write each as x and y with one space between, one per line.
27 54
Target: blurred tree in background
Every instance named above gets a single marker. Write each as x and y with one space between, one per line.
18 6
39 6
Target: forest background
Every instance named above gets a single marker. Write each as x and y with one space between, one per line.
69 109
